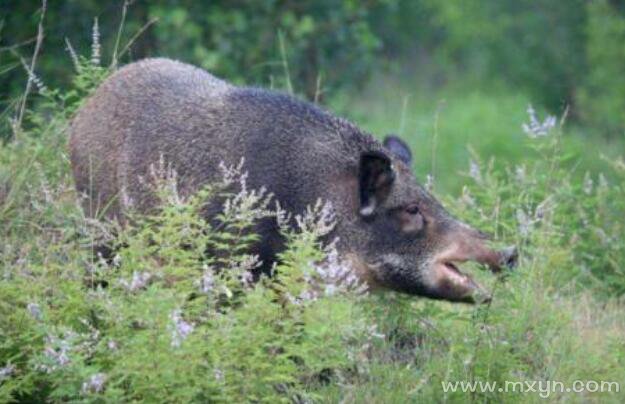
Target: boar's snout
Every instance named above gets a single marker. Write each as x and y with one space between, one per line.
445 279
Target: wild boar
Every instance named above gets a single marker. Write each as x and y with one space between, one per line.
397 235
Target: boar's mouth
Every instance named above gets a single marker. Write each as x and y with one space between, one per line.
450 283
446 281
438 278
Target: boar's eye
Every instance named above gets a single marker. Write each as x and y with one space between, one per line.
413 210
411 219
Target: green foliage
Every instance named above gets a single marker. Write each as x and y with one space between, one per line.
602 100
323 40
327 43
535 45
560 53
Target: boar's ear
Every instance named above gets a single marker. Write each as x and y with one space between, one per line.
375 179
399 148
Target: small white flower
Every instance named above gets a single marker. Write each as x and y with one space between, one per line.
125 199
95 384
247 278
331 277
283 218
474 171
318 219
219 375
163 178
247 205
6 371
207 281
140 280
117 261
56 352
230 174
33 78
373 332
180 328
535 128
330 289
35 311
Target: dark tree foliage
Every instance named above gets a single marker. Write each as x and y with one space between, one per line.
325 43
561 53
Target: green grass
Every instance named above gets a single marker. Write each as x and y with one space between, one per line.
443 125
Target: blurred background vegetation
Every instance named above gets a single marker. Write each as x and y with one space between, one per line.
464 70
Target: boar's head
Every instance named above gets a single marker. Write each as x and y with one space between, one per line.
408 242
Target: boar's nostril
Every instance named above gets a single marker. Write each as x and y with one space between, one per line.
509 257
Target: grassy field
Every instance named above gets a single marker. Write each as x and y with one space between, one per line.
157 324
448 123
